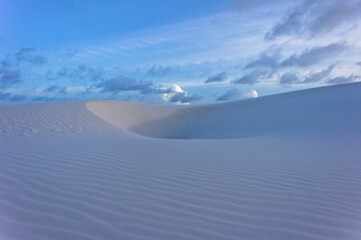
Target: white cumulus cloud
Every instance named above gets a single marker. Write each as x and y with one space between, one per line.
251 94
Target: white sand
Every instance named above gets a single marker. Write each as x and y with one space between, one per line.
286 166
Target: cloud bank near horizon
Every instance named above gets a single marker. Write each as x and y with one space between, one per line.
274 45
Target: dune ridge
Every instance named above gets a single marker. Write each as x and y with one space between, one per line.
66 173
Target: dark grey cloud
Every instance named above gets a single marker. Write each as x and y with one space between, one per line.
28 55
342 79
289 78
50 99
269 58
17 98
314 55
252 77
217 78
160 71
9 78
4 96
38 99
358 63
8 75
319 76
120 83
231 94
10 67
55 89
79 72
182 97
269 62
312 18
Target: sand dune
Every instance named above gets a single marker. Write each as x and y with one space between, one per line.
286 166
320 111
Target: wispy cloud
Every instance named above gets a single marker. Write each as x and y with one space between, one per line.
289 78
252 77
55 89
312 18
4 96
160 71
8 75
79 72
310 56
217 78
17 98
343 79
29 55
231 94
120 83
319 76
184 98
269 58
314 55
304 40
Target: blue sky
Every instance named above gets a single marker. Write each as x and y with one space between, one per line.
175 52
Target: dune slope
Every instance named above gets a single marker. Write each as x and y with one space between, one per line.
280 167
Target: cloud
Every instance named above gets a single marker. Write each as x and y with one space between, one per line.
251 94
120 83
269 58
269 62
8 75
17 98
312 18
176 88
358 64
39 99
12 98
28 55
10 67
217 78
183 97
176 94
319 76
4 96
231 94
289 78
252 77
55 89
342 79
314 55
79 72
173 94
160 71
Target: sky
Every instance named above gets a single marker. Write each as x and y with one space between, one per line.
175 52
